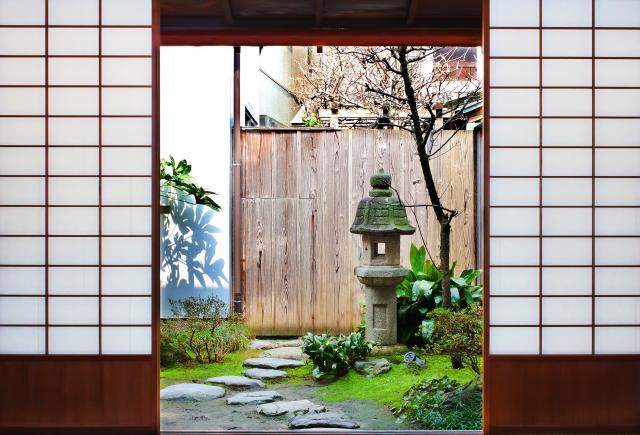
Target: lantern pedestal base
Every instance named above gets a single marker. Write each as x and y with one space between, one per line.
381 315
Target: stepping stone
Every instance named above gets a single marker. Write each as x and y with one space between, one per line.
284 353
253 397
237 381
293 407
263 374
191 392
372 366
323 419
272 363
272 344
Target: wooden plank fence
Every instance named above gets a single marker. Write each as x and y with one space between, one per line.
300 192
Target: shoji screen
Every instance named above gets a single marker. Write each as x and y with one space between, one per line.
75 177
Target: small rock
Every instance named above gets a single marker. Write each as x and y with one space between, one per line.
284 353
272 363
323 419
372 366
253 397
263 374
193 392
237 381
293 407
272 344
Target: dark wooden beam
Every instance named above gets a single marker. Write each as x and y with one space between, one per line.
228 14
319 6
412 11
237 281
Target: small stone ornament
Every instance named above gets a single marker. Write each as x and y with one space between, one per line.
414 361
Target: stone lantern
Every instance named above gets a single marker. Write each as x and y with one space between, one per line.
381 220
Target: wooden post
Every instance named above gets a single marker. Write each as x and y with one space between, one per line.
237 282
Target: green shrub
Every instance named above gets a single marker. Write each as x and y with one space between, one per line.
421 292
458 333
334 354
442 404
179 176
200 330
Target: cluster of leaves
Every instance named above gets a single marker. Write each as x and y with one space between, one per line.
442 404
179 176
312 120
201 330
421 292
335 354
458 333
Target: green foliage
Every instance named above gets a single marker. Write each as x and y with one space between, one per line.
179 176
312 121
458 333
334 354
421 292
442 404
201 330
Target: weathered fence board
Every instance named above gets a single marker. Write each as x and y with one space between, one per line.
300 193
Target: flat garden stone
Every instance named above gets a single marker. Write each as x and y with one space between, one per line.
292 407
253 397
372 366
263 374
289 352
323 419
237 381
262 344
191 392
272 363
391 349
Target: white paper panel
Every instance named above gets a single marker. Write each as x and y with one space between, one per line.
74 161
617 43
22 280
617 13
73 41
612 340
22 161
74 340
126 280
514 13
566 341
73 101
73 220
617 191
617 72
73 280
617 102
566 102
22 101
617 311
514 281
566 13
617 132
126 101
126 71
22 220
126 310
22 340
566 251
73 191
22 12
514 191
21 191
73 250
126 251
22 41
126 340
566 311
514 341
566 221
566 43
514 251
565 132
22 71
21 131
515 72
515 132
566 191
126 221
22 250
126 12
566 72
514 162
73 131
73 310
617 221
126 131
22 310
74 12
617 251
514 42
557 281
514 102
514 311
515 222
566 162
73 71
126 161
617 280
126 191
126 42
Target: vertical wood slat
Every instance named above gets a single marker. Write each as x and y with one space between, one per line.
301 189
